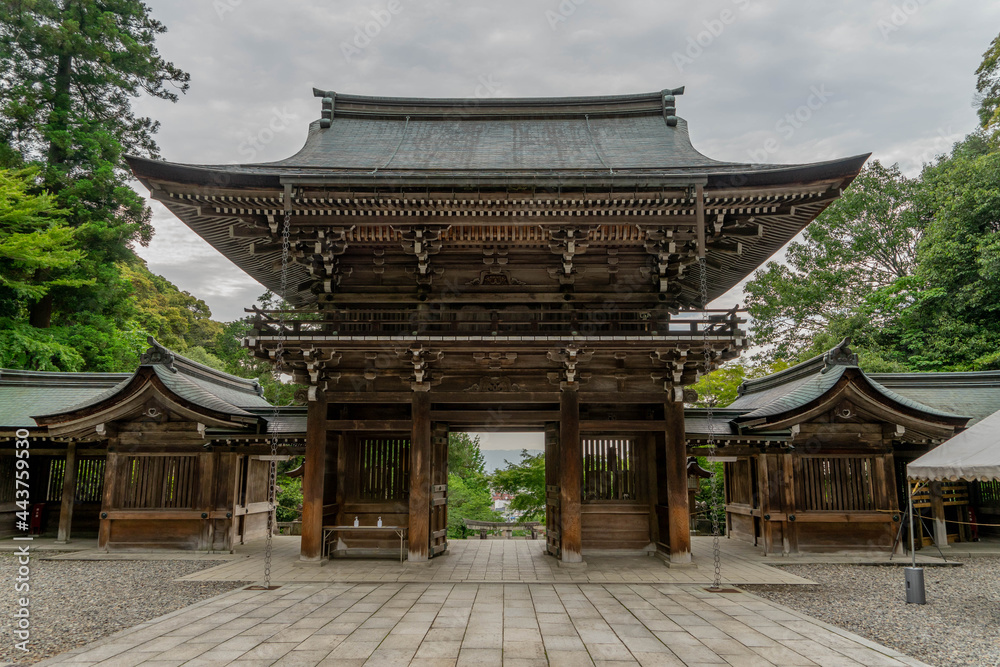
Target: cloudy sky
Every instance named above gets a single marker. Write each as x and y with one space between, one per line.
776 81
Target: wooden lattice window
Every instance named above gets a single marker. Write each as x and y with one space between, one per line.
985 494
611 469
159 482
739 481
836 484
89 480
384 469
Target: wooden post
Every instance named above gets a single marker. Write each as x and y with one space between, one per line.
420 478
311 549
206 498
937 512
571 476
113 471
649 446
789 533
678 512
764 485
68 495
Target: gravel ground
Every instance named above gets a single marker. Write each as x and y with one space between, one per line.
959 626
76 602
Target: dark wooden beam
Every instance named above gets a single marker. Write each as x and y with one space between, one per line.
677 496
420 478
571 476
312 481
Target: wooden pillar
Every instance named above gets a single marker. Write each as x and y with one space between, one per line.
311 549
206 498
789 532
678 512
937 512
113 472
420 478
648 441
68 495
571 476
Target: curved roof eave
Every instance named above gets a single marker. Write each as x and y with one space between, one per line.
151 375
271 177
799 404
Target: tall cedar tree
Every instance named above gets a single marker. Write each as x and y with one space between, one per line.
69 70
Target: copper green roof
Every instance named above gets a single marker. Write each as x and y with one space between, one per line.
195 383
23 393
547 139
971 393
804 383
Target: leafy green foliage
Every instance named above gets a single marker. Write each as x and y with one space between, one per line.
988 86
469 495
947 317
288 499
721 387
862 243
705 500
36 246
465 458
525 481
468 498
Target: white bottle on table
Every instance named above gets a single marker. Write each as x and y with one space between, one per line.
355 522
380 522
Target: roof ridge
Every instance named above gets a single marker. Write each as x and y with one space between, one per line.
9 376
654 103
839 355
160 355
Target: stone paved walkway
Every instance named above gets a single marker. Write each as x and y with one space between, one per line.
499 561
482 624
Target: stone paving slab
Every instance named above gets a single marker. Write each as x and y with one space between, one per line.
385 624
498 561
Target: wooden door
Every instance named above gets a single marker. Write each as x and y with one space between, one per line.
439 490
552 515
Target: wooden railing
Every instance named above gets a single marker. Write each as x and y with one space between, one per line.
484 321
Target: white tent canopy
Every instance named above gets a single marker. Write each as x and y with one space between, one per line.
972 455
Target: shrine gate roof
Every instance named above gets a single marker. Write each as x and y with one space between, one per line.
602 138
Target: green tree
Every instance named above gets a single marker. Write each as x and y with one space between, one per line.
525 481
988 86
864 242
468 498
36 246
721 387
70 69
947 315
465 458
288 499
